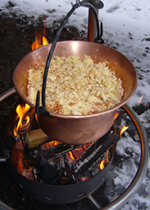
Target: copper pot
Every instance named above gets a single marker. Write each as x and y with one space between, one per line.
78 129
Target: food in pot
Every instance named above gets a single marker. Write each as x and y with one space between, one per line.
76 87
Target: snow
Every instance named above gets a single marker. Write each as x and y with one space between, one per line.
126 23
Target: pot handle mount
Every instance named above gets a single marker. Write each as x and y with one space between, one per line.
41 109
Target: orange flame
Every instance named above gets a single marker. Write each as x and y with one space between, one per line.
116 115
39 40
106 160
50 144
71 155
102 164
21 111
54 143
123 129
16 158
140 99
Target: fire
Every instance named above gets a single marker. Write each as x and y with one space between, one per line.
103 162
123 129
71 155
107 153
140 99
39 40
21 111
77 153
17 157
84 178
50 144
17 160
116 115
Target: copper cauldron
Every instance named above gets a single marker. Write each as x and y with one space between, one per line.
78 129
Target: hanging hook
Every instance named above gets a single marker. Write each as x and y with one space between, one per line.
99 39
40 109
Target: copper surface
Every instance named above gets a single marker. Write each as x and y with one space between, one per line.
78 129
92 28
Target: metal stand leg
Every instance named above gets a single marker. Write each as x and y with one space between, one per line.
92 199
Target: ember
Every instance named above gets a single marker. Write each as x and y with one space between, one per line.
140 99
116 115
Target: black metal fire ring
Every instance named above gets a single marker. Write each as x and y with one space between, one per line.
136 182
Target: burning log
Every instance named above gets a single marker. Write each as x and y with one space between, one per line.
58 150
94 153
71 162
54 162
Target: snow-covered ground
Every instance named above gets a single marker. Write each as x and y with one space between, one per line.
126 28
125 22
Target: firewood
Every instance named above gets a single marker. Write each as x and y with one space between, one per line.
35 137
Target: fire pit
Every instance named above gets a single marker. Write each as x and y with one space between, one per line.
54 167
95 182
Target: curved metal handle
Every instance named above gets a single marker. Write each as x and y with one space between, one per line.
42 110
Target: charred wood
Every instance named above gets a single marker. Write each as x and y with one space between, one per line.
94 153
58 150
